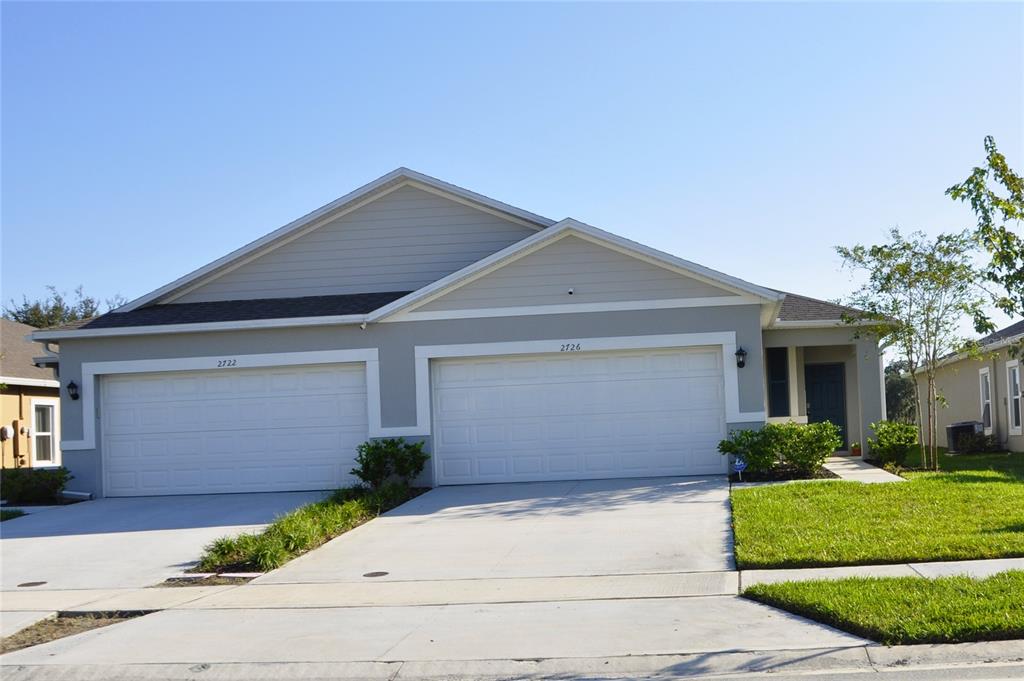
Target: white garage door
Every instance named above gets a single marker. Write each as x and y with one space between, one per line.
232 430
579 415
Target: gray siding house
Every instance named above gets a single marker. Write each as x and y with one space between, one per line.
519 348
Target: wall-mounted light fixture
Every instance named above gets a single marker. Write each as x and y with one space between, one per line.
741 358
73 390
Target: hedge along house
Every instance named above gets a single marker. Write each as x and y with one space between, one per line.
518 347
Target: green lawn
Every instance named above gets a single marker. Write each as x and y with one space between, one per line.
1012 464
906 610
975 511
10 514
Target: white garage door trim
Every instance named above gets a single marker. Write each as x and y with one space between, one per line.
578 415
213 431
91 370
724 339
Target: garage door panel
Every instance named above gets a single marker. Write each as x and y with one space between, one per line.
577 416
243 430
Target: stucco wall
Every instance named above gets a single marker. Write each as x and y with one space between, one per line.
395 343
16 411
959 384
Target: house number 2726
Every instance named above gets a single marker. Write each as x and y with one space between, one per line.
571 347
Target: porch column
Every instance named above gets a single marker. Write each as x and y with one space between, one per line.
870 386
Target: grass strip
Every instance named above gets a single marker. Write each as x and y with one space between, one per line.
61 626
908 610
10 514
301 530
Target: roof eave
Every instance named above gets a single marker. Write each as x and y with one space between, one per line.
198 327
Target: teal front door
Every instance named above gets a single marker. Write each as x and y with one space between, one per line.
826 395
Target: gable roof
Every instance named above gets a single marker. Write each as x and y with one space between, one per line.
553 233
17 366
1006 335
797 309
368 192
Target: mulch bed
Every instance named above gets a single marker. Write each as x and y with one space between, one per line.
213 580
782 474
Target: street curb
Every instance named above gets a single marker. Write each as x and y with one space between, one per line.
821 660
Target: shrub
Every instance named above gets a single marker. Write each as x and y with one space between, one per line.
810 445
804 447
893 441
379 460
754 446
33 485
977 443
409 460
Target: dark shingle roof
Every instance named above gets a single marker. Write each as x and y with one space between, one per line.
1004 334
242 310
16 352
796 308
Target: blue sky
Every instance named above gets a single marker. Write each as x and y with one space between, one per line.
141 141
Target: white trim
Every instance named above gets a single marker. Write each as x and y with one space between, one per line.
155 329
91 370
818 324
1012 365
660 304
55 442
31 382
724 339
549 236
382 184
984 373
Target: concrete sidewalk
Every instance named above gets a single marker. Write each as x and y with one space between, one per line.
987 661
268 595
856 469
971 568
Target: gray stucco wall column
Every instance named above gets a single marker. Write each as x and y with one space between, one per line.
871 388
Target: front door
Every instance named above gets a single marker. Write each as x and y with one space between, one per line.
826 395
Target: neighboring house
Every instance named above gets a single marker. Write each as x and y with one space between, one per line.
29 400
518 347
986 389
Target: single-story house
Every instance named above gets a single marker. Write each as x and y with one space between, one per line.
29 401
518 347
986 389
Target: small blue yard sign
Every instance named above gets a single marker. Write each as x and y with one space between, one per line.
739 465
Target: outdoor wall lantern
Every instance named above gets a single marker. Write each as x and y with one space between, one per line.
741 358
73 390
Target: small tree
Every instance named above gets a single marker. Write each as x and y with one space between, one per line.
996 194
56 309
916 294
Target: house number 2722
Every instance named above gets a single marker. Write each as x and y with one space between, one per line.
226 363
571 347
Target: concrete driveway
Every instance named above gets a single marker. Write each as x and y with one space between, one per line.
612 569
118 543
545 529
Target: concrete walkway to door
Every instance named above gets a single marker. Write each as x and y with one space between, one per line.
543 529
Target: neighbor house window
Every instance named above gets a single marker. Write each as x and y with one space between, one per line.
45 443
1013 397
777 363
986 400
